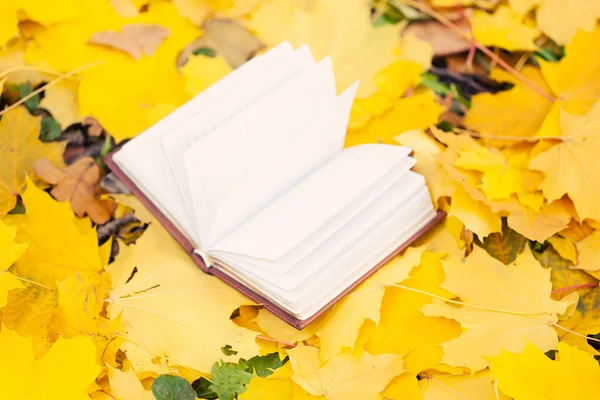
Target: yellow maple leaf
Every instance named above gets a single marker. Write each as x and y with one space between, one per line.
357 48
65 372
538 225
588 250
573 375
571 166
561 19
345 375
8 22
20 147
565 247
340 327
478 386
476 215
504 29
28 309
114 82
401 308
200 72
418 111
126 385
166 301
10 250
279 385
61 101
505 307
58 248
424 150
523 112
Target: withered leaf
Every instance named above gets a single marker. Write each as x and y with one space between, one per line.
76 183
135 40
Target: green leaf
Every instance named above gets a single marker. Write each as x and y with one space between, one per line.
205 51
32 103
505 246
264 365
50 129
169 387
229 380
228 350
202 388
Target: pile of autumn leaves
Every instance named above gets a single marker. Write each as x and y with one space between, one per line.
432 324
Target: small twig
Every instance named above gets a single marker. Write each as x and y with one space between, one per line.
48 85
472 49
270 339
427 10
33 68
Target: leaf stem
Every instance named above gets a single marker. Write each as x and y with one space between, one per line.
439 17
511 138
575 287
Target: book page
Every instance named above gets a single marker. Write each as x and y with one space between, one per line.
244 149
174 144
311 204
145 158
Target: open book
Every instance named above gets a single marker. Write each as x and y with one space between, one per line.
252 178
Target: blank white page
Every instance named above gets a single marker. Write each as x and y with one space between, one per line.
219 112
144 156
296 215
242 151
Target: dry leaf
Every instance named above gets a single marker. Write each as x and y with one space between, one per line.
77 184
444 40
228 38
135 40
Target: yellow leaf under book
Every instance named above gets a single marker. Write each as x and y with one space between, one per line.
165 301
340 328
65 372
20 147
505 29
59 244
357 48
573 375
344 376
505 306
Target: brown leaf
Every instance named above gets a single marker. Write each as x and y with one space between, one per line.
505 246
227 38
93 126
134 40
444 40
75 183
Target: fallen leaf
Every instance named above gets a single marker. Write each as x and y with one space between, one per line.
345 375
505 306
539 226
444 40
476 215
135 40
126 385
506 245
228 39
565 247
10 250
200 72
65 372
28 309
170 308
561 19
505 29
479 386
418 111
424 150
573 375
570 166
59 244
358 50
61 101
20 147
340 328
77 184
277 386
